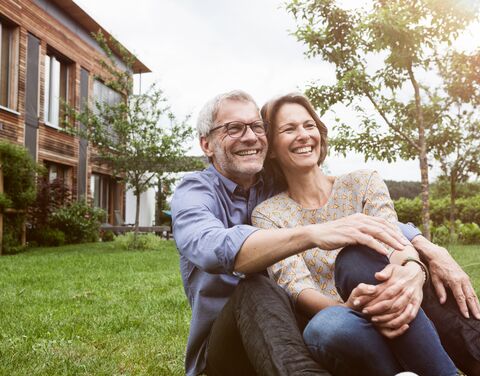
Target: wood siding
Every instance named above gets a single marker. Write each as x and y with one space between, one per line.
52 144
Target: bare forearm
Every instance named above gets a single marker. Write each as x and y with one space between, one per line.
427 249
266 247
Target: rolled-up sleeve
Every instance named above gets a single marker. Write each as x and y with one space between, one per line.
199 235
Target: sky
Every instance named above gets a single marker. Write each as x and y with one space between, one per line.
199 48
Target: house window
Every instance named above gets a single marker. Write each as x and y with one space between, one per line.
56 89
102 94
8 65
58 171
100 188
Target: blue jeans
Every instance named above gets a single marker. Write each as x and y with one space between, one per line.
346 343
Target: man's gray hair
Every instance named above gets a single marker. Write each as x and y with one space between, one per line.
208 114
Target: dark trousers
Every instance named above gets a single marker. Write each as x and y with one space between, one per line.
256 334
459 336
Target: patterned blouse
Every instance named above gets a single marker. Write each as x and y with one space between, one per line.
361 191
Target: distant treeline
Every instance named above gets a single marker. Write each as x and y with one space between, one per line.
438 189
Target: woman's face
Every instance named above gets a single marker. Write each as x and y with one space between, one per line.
296 138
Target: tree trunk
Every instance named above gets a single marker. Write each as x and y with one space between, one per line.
422 142
453 197
137 216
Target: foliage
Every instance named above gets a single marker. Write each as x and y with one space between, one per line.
379 54
107 236
12 233
406 189
441 188
142 242
19 170
139 137
468 210
47 236
465 234
78 221
51 196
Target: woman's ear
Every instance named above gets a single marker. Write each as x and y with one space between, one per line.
271 154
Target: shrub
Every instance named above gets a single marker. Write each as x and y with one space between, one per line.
12 233
79 222
50 197
144 242
441 234
107 235
468 233
50 237
19 171
409 210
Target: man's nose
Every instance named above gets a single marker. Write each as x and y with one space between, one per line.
249 135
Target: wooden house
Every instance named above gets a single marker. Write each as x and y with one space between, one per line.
47 56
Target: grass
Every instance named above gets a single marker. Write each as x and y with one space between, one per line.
92 309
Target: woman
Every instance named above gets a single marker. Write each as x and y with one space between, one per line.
340 337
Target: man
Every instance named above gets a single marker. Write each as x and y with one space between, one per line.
243 326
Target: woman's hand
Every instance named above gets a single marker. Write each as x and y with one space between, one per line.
397 300
359 229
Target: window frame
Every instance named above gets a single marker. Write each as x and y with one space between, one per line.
11 102
61 71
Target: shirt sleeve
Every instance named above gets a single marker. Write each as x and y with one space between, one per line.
292 273
199 235
409 230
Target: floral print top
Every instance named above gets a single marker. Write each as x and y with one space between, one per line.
361 191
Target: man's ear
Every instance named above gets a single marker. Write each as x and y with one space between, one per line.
206 146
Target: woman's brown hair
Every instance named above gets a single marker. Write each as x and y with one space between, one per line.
269 113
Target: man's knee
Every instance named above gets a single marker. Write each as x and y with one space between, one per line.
261 289
357 264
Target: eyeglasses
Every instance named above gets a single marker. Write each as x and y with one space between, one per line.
237 129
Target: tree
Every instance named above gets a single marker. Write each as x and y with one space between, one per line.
383 57
459 157
139 137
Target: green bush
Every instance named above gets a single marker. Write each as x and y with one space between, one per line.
441 234
465 233
467 210
107 236
468 233
409 210
50 237
19 170
144 242
79 222
12 233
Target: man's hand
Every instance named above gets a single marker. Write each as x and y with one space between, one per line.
359 229
445 272
395 302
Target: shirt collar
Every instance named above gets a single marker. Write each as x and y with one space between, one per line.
231 185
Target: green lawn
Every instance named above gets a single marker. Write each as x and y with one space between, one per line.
93 310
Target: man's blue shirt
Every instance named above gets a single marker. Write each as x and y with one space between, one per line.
211 220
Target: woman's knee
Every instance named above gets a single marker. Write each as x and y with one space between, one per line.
357 264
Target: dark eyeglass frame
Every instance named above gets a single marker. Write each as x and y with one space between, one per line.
245 125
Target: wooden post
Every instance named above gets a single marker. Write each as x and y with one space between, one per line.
1 213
